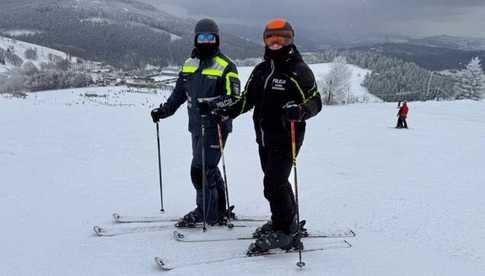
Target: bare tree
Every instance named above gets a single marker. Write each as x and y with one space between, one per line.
336 84
13 83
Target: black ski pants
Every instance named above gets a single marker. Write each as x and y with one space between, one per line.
401 122
276 162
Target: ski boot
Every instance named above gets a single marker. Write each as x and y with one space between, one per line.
230 213
274 240
303 232
263 229
268 227
287 241
226 217
190 220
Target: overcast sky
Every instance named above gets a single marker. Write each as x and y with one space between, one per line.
409 17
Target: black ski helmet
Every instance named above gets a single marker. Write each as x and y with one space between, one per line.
206 50
206 25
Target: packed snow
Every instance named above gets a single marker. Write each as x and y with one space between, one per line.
69 159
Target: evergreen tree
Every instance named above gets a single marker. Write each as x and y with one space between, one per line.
472 82
393 79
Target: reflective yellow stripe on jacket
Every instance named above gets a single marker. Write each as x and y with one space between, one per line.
302 93
216 69
190 66
228 82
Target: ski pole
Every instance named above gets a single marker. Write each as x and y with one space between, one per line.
160 169
221 147
204 174
300 263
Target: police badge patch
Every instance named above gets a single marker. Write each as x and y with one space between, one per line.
279 84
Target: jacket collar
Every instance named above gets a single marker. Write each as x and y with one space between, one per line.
293 55
195 54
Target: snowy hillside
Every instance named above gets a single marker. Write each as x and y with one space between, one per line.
321 70
20 51
452 42
356 79
111 31
68 160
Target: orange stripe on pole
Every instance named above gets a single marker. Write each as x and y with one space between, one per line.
293 141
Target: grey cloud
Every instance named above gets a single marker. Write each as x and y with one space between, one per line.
353 16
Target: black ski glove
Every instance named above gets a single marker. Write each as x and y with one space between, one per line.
215 107
294 112
159 113
220 114
204 108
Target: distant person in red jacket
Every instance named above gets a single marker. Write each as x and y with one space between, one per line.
402 114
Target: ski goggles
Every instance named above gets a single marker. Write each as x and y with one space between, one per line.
206 38
282 38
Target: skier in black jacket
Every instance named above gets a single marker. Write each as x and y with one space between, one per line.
281 89
207 76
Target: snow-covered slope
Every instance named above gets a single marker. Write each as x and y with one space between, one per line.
414 197
356 79
43 54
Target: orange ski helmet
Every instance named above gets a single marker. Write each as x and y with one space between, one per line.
280 31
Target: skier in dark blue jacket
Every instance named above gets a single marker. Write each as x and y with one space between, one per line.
207 76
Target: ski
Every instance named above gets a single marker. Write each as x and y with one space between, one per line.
184 237
103 231
141 219
165 266
148 219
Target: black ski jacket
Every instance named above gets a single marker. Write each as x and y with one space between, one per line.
272 85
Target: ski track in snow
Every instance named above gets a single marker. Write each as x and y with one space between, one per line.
414 197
